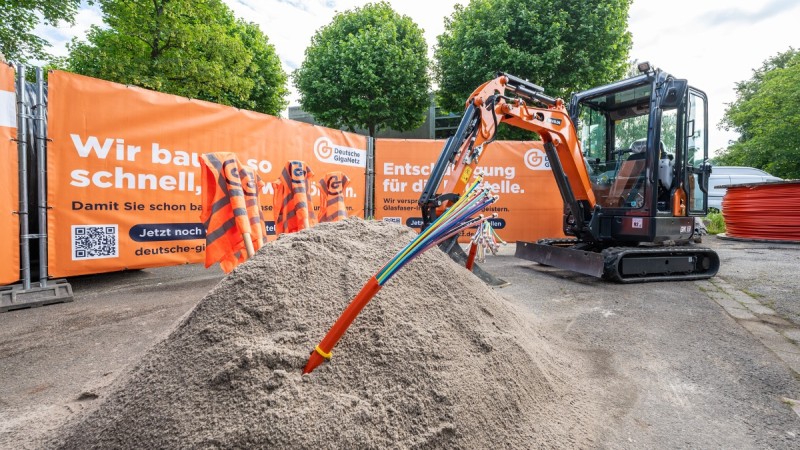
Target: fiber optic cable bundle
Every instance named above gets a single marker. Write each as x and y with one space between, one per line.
454 220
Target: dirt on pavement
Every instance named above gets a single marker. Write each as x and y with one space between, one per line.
694 377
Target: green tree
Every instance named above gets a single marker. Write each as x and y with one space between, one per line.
367 69
196 49
766 113
562 45
18 18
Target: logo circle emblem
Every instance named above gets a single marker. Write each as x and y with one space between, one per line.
534 159
323 149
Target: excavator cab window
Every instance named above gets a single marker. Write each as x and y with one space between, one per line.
593 140
697 169
613 132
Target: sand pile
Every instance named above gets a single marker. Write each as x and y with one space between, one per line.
435 360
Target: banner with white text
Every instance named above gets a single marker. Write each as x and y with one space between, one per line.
123 170
529 208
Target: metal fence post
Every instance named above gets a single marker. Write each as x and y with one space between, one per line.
22 295
369 202
40 141
22 157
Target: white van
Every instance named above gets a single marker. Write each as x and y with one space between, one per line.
726 175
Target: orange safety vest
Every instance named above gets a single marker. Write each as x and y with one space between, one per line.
291 201
331 203
230 208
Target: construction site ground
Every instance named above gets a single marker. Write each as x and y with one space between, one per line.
706 364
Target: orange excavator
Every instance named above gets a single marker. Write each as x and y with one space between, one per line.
630 160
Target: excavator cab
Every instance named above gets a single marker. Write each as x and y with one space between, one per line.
645 142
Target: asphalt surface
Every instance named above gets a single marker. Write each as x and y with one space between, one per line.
676 368
57 361
684 373
760 270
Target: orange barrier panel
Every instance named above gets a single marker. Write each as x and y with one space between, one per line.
124 170
9 200
530 206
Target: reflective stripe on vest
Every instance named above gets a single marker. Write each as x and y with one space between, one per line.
291 202
331 205
230 207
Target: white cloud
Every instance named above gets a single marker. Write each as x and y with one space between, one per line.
712 44
60 36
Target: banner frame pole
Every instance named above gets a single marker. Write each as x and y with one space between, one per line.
40 142
22 164
22 295
369 202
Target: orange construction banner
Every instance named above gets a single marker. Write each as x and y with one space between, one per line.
124 170
529 208
9 173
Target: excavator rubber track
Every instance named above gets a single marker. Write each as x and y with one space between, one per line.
625 264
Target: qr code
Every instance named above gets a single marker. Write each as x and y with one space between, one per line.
95 241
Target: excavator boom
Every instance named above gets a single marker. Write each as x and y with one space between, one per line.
487 107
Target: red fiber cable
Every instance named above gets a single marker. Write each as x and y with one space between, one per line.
763 211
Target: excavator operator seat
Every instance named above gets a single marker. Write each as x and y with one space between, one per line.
628 189
638 149
666 170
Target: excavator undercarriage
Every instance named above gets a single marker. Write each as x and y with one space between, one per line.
624 264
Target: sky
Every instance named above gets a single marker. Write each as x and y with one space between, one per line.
713 44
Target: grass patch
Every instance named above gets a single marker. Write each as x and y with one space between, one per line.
715 223
754 295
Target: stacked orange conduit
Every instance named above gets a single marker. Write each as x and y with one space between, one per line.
763 211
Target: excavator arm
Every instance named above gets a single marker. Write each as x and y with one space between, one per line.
522 104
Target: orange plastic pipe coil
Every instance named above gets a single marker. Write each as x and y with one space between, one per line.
766 211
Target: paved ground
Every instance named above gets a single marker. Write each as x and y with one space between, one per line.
55 360
683 370
694 364
767 272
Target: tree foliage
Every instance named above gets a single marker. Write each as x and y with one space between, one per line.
366 69
196 49
18 18
562 45
766 113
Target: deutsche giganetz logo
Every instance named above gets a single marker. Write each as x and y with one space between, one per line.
323 149
536 159
326 151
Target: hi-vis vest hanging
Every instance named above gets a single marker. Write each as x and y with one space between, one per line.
230 209
331 205
291 202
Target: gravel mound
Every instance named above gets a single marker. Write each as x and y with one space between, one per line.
437 359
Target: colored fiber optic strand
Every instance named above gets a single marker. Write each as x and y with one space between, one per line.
486 239
455 219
